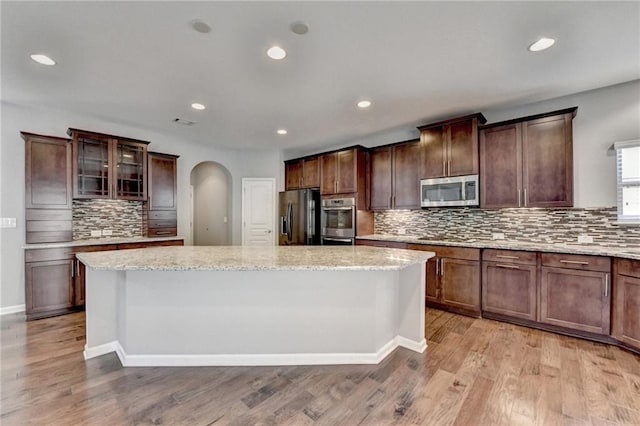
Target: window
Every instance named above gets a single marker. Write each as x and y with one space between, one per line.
628 165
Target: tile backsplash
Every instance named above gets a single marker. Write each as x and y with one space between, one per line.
519 224
124 218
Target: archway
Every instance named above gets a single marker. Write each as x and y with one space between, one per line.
211 204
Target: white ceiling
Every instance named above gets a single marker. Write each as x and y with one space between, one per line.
141 63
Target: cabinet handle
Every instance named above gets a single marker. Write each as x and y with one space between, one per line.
163 232
437 267
519 199
500 265
606 285
73 269
573 262
525 196
442 266
504 256
449 168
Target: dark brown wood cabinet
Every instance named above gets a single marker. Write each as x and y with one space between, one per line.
162 203
49 286
575 292
302 173
626 302
510 283
48 189
453 278
450 147
379 243
395 177
107 166
528 162
343 172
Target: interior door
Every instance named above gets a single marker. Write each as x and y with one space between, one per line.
258 211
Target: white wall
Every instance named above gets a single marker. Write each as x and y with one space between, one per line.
15 118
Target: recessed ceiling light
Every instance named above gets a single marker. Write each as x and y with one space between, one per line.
542 44
364 104
200 26
43 59
276 52
299 28
282 131
197 106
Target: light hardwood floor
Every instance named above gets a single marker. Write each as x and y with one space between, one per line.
474 372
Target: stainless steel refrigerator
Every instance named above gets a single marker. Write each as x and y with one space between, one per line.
299 217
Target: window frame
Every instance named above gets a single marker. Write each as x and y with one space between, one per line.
619 147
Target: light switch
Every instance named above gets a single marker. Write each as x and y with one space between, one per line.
107 232
7 222
97 233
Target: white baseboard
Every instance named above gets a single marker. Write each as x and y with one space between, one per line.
12 309
227 360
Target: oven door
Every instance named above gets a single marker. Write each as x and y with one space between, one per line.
331 241
338 222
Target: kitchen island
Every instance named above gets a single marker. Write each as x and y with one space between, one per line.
254 305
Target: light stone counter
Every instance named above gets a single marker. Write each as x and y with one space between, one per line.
297 305
100 241
241 258
593 249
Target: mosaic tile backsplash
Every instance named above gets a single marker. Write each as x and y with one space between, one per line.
519 224
124 218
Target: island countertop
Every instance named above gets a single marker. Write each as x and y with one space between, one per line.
243 258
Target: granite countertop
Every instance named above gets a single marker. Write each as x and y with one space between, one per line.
593 249
242 258
99 241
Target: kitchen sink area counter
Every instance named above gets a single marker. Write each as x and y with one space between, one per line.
592 249
284 305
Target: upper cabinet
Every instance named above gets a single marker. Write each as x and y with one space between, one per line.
106 166
343 172
48 188
450 147
395 177
162 205
303 173
528 162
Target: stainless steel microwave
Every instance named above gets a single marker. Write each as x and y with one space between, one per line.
449 192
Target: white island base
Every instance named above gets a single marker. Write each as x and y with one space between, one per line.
254 317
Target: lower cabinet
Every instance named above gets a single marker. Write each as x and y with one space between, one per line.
575 292
453 278
55 279
49 282
626 302
509 283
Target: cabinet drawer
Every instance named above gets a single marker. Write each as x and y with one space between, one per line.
628 267
39 255
100 247
48 237
162 232
463 253
510 256
377 243
163 214
162 223
48 225
47 214
572 261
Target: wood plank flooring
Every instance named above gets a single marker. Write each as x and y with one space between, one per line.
474 372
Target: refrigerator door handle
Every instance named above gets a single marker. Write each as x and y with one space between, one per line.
312 219
290 221
283 225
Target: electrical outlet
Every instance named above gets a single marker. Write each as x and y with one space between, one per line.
402 231
97 233
585 239
7 222
107 232
497 236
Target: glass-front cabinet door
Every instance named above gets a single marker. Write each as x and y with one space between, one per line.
107 166
131 169
91 167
